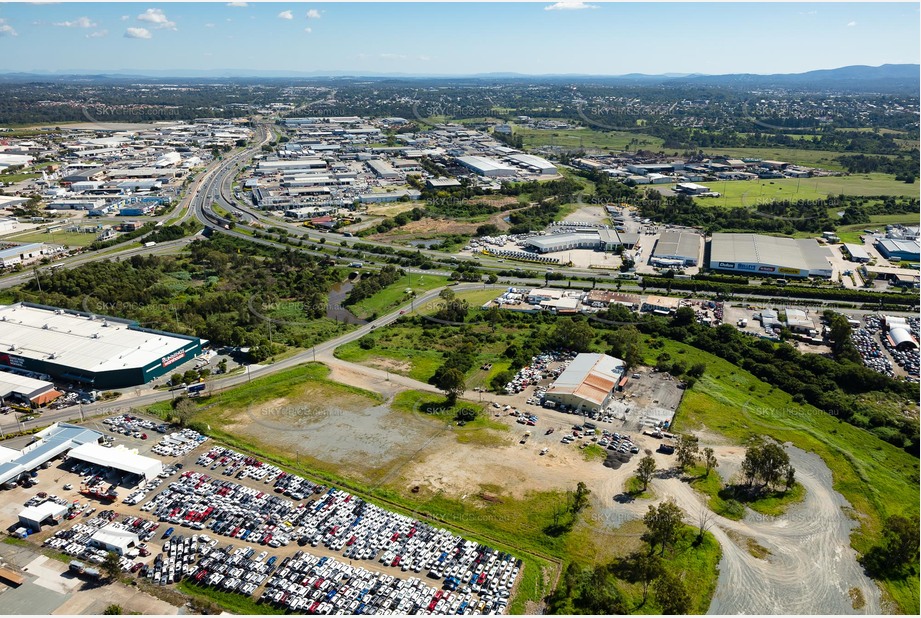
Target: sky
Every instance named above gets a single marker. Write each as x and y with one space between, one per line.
440 38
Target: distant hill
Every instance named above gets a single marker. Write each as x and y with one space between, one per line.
888 78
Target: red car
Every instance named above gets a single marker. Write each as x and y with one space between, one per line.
136 567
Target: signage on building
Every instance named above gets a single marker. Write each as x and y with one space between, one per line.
727 264
12 361
766 269
166 361
789 271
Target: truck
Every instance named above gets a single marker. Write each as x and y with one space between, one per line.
356 265
525 437
81 569
667 448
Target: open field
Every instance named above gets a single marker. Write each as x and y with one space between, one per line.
754 192
71 239
395 294
587 138
825 159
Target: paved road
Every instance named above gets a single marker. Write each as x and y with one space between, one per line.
318 352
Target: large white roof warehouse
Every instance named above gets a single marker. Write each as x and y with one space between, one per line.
99 351
759 254
118 458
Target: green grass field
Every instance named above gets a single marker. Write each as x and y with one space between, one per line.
395 295
587 138
824 159
754 192
71 239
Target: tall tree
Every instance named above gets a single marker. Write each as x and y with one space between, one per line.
111 565
645 470
646 567
662 524
452 382
672 595
709 461
686 451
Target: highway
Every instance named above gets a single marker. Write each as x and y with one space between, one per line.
215 185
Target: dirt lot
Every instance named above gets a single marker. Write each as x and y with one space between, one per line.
588 214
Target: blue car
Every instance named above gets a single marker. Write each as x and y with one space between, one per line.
169 532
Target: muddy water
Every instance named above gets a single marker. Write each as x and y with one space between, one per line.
334 308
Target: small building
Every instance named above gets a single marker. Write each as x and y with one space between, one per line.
24 390
118 458
690 188
48 512
115 538
661 305
856 253
442 183
7 225
12 255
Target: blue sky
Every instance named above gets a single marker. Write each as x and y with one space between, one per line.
457 38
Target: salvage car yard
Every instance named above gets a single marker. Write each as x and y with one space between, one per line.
207 495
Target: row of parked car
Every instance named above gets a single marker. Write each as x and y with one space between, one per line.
313 585
328 516
179 443
865 339
539 369
233 569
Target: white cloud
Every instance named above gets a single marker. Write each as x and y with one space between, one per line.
313 14
424 58
138 33
6 29
126 17
388 56
308 30
80 22
98 34
158 18
286 15
209 25
808 12
567 5
238 5
851 24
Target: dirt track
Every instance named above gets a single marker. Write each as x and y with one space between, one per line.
811 566
809 570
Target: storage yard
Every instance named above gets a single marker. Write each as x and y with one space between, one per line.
281 511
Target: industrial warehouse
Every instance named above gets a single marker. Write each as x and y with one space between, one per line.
603 239
587 383
769 255
675 248
93 351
